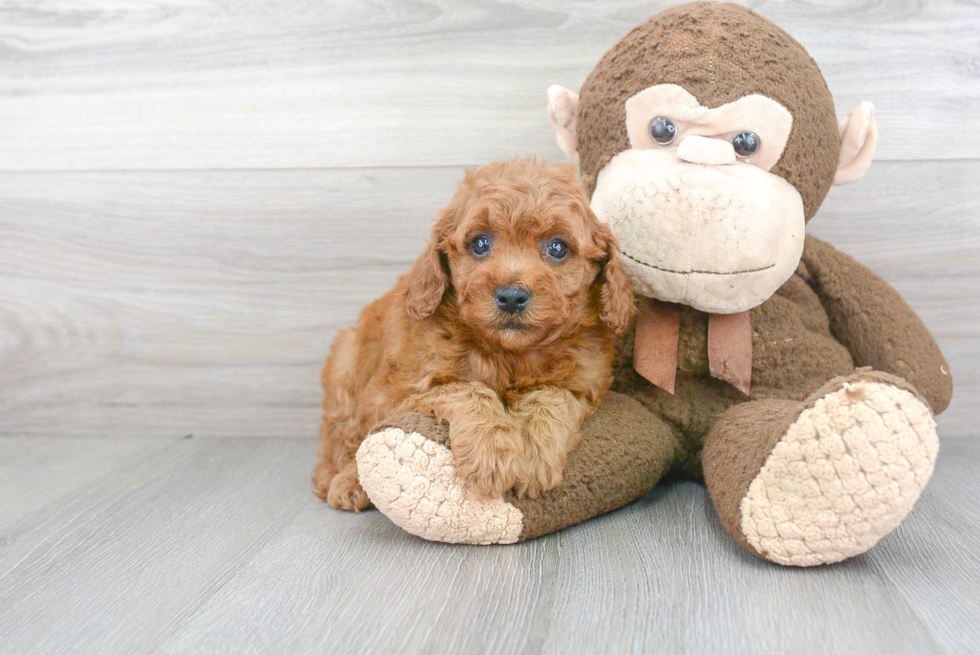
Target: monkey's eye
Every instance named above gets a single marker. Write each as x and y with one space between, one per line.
746 144
663 131
557 249
481 245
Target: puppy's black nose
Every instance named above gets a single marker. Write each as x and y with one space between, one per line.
511 299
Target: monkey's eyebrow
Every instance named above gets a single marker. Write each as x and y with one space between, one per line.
670 270
752 113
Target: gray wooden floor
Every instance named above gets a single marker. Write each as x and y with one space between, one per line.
132 545
196 194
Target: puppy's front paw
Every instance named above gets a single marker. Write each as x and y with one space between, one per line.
345 492
550 430
541 469
486 458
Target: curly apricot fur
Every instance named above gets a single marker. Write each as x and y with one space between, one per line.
513 388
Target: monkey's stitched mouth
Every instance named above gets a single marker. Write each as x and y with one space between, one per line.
669 270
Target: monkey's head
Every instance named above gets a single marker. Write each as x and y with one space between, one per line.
707 138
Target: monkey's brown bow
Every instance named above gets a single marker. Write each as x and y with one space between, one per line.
656 341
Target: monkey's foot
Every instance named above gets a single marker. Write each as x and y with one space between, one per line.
409 474
844 474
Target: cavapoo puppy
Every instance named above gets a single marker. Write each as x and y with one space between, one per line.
503 328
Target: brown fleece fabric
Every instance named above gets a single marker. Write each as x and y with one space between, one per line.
794 352
876 324
735 451
719 53
742 439
625 450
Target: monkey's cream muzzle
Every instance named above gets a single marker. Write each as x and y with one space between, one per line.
714 233
696 224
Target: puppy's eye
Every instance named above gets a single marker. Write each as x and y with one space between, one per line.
746 144
557 249
663 131
481 245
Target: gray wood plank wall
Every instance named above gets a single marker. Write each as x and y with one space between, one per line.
195 195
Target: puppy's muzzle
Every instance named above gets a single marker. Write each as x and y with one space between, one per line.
512 300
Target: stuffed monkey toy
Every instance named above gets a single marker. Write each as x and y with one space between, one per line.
797 384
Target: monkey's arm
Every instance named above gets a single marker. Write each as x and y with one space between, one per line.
408 470
875 323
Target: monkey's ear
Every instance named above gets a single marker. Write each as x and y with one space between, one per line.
427 281
858 139
563 114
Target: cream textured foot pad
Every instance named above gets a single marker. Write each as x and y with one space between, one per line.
845 474
412 480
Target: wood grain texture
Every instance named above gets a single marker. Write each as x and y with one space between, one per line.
36 477
218 546
196 194
192 302
125 561
178 84
204 302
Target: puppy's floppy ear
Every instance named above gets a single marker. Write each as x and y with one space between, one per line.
616 295
427 281
569 173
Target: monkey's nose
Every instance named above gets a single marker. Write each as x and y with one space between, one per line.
706 151
511 299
